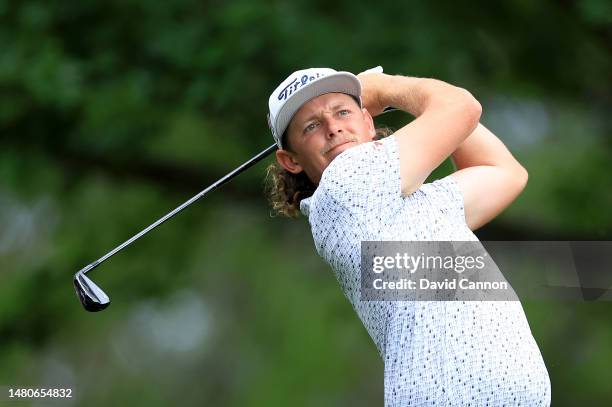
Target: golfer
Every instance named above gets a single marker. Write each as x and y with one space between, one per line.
355 183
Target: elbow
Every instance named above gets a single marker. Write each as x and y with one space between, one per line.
455 98
518 179
465 107
471 107
476 110
522 178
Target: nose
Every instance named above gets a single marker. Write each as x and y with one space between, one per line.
334 127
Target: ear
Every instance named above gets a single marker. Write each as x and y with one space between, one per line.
288 161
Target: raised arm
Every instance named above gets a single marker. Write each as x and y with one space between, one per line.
445 116
489 177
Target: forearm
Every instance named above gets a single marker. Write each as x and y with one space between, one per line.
482 147
445 116
411 94
489 177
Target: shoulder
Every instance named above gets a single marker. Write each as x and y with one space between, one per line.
360 167
360 179
360 158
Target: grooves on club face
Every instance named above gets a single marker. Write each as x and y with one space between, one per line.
91 296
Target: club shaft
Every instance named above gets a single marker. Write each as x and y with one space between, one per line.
161 220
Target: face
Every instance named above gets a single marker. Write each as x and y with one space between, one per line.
323 128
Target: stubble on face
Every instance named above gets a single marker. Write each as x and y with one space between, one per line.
338 124
339 147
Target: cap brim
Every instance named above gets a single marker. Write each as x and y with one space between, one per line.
339 82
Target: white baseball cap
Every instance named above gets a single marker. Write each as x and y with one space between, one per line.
302 86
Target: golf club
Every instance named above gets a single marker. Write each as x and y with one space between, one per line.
91 296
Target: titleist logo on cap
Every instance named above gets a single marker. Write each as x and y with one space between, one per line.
295 84
301 86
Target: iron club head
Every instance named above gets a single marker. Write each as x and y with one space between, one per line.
90 295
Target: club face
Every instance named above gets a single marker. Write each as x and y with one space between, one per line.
91 296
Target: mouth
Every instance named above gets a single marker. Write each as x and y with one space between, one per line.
338 145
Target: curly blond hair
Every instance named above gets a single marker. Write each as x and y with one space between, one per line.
286 190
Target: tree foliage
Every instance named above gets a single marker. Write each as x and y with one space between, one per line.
112 113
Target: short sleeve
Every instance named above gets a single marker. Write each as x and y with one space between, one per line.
364 177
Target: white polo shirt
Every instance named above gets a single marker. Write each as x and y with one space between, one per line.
435 352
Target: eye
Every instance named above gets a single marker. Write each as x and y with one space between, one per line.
344 112
310 127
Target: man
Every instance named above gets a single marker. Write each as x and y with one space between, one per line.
355 188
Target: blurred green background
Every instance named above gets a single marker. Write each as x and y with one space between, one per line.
114 112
